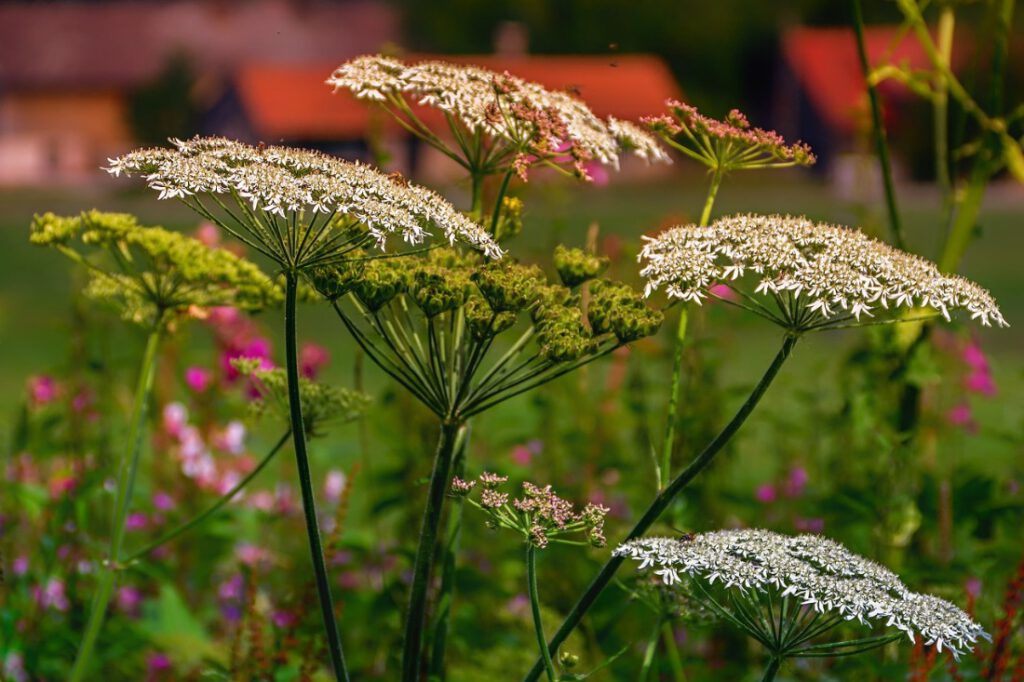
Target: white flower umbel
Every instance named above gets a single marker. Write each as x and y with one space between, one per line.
820 276
500 105
282 193
823 576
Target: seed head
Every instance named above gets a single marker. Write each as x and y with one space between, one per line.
822 573
150 272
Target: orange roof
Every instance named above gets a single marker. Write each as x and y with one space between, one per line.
293 102
825 62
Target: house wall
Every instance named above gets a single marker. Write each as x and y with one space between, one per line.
59 137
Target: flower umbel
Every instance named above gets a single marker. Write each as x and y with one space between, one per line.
819 276
524 123
151 274
826 583
540 515
432 323
732 144
299 208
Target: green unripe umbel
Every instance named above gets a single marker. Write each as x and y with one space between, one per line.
576 266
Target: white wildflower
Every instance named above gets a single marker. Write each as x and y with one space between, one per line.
500 105
819 572
282 181
833 271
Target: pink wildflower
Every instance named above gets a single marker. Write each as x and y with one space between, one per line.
208 234
765 493
960 415
129 599
334 485
795 482
42 390
313 358
51 595
198 379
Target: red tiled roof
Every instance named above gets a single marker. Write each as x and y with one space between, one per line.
825 62
293 102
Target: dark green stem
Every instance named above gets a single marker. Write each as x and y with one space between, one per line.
213 508
878 129
125 486
412 648
772 669
448 565
538 625
323 584
664 499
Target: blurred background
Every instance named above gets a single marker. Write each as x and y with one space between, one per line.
84 81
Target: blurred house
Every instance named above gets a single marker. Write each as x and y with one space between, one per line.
290 103
822 99
68 70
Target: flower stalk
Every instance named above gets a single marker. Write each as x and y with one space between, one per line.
298 430
538 625
213 508
664 499
125 487
416 612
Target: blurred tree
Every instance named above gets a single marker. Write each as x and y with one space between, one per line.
165 107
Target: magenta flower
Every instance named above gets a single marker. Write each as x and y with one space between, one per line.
766 493
521 455
136 521
163 502
723 291
961 415
981 382
313 358
51 595
129 599
19 566
795 482
42 390
156 665
284 619
198 379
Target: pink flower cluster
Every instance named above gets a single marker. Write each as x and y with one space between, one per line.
977 378
195 453
686 120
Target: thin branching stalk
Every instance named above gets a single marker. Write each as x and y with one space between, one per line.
538 625
213 508
878 129
664 499
323 584
649 652
125 487
416 613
